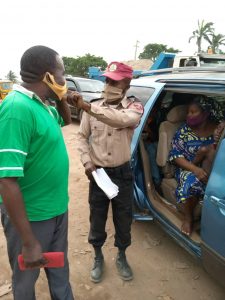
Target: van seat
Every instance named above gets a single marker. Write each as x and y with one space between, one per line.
175 117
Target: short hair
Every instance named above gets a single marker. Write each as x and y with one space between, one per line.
36 61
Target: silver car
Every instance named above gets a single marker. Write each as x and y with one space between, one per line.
89 89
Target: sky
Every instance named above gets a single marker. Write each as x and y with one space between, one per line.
103 28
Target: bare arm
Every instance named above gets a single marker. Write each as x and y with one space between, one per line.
200 155
64 111
13 201
188 166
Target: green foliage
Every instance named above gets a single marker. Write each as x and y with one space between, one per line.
151 51
221 52
11 76
216 41
204 31
79 66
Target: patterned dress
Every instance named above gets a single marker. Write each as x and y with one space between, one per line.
185 144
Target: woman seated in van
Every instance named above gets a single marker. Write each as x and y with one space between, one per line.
202 119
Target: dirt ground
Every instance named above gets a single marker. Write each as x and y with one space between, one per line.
162 269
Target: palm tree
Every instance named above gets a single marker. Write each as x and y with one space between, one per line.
11 76
203 31
216 41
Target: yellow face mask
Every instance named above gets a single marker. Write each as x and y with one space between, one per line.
59 90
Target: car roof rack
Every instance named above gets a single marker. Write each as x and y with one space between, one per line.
183 70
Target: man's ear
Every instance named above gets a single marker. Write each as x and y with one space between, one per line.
48 78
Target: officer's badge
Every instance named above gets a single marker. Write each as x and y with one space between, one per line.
112 67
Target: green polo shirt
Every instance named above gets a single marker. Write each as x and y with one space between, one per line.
33 150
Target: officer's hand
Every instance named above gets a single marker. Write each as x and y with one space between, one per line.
32 255
74 99
89 168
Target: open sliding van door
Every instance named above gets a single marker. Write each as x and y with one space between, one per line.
148 92
213 219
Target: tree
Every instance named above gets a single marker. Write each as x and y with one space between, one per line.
11 76
151 51
79 66
204 31
216 41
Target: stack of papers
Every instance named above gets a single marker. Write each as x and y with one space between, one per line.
105 183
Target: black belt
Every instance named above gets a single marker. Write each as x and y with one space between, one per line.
121 170
121 167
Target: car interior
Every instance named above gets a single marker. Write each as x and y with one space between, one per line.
173 108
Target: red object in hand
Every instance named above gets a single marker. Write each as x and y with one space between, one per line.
55 260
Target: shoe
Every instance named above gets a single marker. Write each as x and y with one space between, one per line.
97 270
123 267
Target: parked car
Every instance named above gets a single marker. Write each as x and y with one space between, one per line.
89 89
173 89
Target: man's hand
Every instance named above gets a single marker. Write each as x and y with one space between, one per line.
89 168
32 255
201 174
75 99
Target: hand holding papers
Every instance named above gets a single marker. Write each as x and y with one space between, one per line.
105 183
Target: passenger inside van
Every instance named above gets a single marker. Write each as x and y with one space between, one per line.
202 119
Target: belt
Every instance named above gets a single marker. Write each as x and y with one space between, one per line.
121 170
121 167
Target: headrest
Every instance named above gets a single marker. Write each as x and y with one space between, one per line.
177 114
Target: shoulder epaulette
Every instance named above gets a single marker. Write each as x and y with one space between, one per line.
133 99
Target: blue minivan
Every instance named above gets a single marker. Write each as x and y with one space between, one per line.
168 93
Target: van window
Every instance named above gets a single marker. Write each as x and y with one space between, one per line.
141 93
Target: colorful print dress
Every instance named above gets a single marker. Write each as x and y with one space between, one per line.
185 144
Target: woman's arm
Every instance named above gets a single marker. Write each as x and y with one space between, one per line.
200 155
188 166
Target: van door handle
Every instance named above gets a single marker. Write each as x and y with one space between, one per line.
218 202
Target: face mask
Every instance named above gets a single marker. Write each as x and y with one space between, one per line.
112 93
59 90
198 120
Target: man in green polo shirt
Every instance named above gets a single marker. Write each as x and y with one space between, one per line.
34 173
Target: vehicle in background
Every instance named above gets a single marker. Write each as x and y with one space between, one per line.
89 89
171 60
168 94
5 87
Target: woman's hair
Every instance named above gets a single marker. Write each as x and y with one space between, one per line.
209 105
36 61
200 101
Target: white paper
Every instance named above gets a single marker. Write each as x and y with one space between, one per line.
105 183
